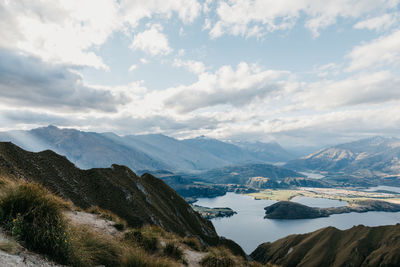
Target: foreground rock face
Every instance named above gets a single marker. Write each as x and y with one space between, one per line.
293 210
358 246
138 200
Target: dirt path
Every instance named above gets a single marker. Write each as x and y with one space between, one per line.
17 256
193 258
95 222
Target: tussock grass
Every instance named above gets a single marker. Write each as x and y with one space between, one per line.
138 258
221 257
193 242
173 251
92 249
34 217
148 243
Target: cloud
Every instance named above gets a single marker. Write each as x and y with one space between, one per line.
27 81
380 52
193 66
255 17
59 31
364 89
225 86
132 67
152 41
133 11
379 23
70 32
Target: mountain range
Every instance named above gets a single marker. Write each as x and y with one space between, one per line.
143 152
366 158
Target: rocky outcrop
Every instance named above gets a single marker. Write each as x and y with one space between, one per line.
293 210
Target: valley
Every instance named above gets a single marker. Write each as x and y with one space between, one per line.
343 194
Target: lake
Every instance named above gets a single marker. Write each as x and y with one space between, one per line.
249 228
384 188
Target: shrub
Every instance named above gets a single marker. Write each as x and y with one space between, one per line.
34 217
149 244
218 257
92 249
140 259
193 243
173 251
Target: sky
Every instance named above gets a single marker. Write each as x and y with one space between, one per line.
302 73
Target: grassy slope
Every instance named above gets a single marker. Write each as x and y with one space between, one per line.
358 246
138 200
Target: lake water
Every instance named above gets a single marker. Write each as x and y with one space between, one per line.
383 187
249 228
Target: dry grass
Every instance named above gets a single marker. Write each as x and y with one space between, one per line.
9 246
34 216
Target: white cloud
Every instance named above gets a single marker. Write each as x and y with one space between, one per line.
383 22
379 52
152 41
239 17
133 67
193 66
364 89
133 11
69 32
59 31
225 87
144 61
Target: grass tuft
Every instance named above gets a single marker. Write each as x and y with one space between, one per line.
34 217
92 249
193 242
218 257
173 251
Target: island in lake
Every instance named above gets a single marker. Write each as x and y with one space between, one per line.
211 213
293 210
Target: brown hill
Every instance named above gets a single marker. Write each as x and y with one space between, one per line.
358 246
139 200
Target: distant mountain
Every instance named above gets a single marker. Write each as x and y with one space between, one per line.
242 174
225 151
242 152
174 153
358 246
267 152
85 149
150 152
138 200
371 157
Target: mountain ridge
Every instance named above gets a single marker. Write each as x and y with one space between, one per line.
138 200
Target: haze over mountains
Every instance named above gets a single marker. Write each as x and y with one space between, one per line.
150 152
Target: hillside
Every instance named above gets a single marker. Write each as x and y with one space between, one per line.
292 210
85 149
138 200
139 152
241 174
358 246
370 158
